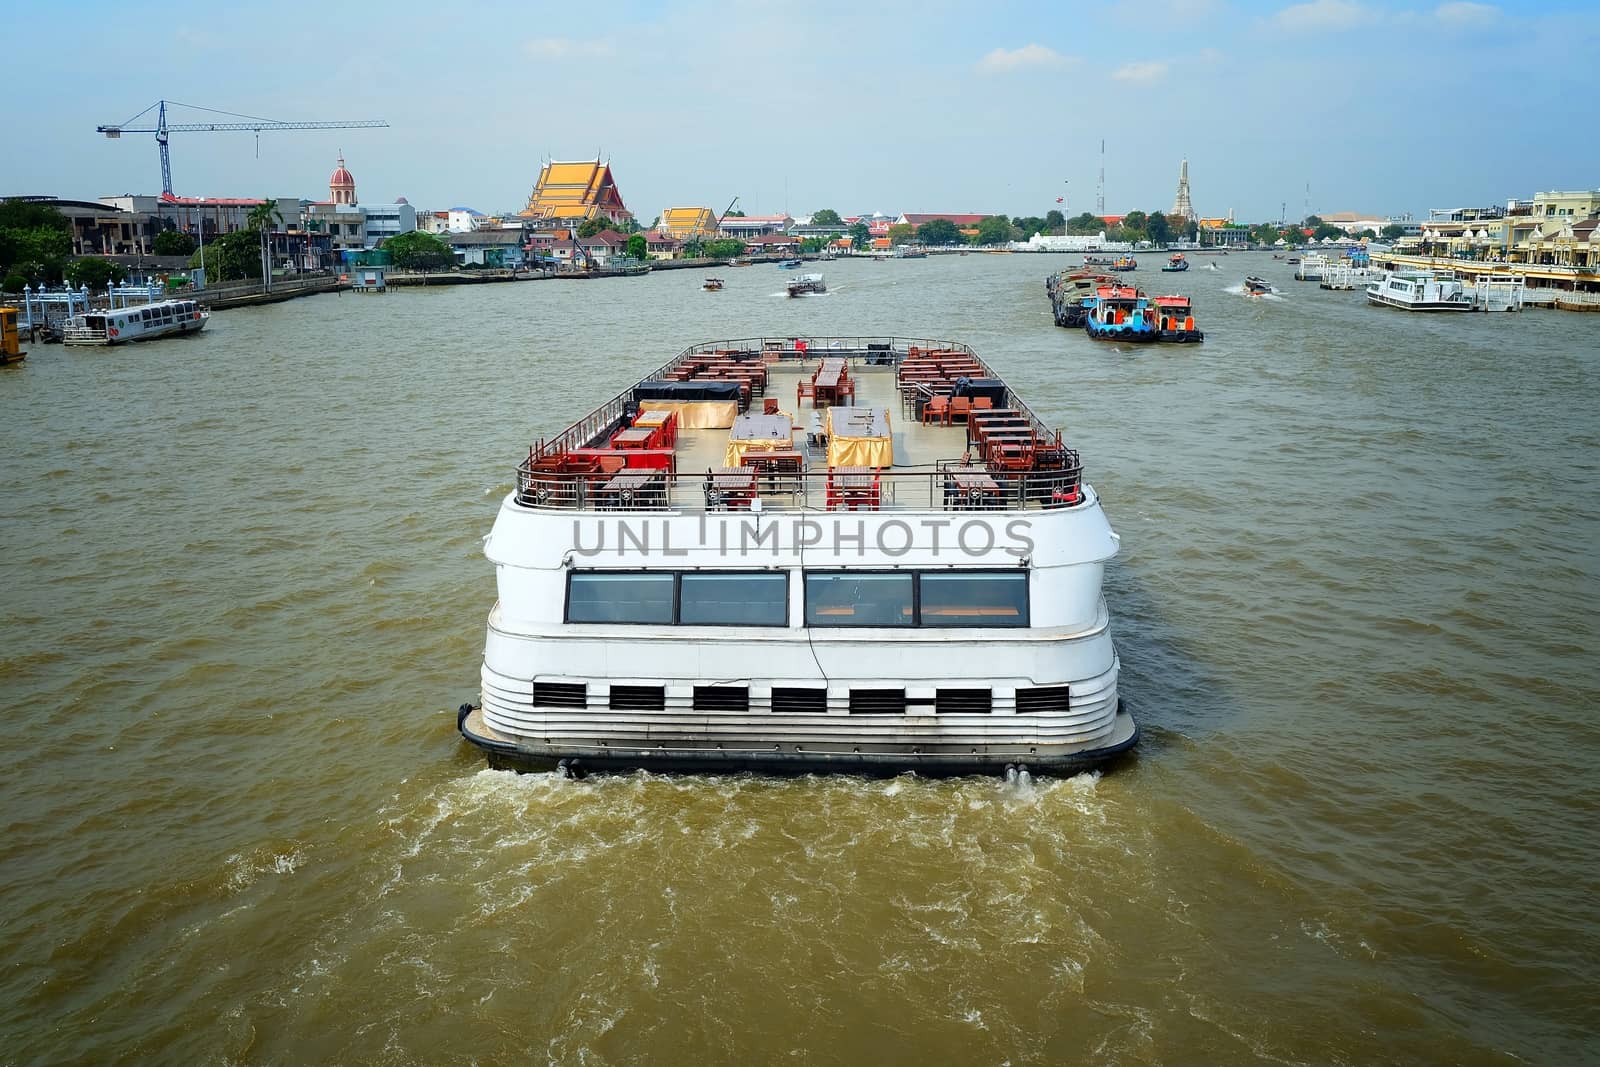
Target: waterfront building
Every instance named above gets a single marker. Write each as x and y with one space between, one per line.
489 248
689 223
747 226
601 248
99 228
570 193
1353 222
773 242
1223 232
660 245
343 225
388 220
960 220
212 215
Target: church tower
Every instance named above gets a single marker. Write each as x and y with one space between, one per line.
1181 206
342 186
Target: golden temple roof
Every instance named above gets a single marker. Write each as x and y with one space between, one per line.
575 190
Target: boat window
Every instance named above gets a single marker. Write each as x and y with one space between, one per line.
856 599
734 599
603 596
995 598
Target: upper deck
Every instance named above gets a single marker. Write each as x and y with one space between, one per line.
874 424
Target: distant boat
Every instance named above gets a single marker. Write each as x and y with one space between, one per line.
1212 266
1176 263
808 283
712 285
1254 286
1124 263
790 264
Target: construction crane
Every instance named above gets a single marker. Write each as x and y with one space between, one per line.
724 214
162 128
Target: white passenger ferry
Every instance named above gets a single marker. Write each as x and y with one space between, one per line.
140 323
1419 291
819 554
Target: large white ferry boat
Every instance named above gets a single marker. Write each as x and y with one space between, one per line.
139 323
798 555
1419 291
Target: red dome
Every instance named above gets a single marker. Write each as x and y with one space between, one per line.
342 176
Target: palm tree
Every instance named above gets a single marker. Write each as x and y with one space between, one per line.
261 219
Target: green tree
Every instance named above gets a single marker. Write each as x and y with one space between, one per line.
419 251
994 230
12 283
860 237
637 248
1135 222
590 227
1027 226
1264 233
1085 224
1054 220
937 232
231 256
1394 231
1326 229
1367 234
35 240
901 233
172 243
827 217
1158 229
726 248
94 272
261 220
1191 229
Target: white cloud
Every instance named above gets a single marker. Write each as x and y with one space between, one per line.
1324 15
1029 55
1140 72
569 48
1465 13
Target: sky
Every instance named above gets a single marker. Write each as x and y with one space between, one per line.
924 106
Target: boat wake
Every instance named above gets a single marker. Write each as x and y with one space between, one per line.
1239 290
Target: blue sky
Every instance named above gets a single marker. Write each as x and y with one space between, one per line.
891 106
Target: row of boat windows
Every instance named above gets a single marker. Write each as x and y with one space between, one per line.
159 314
805 700
832 598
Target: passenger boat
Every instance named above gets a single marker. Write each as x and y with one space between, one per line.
1420 291
790 264
1254 286
1124 263
808 283
117 326
1175 320
1099 261
1176 263
1120 313
712 285
908 579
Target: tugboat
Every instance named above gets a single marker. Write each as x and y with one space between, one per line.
1254 286
1070 293
1125 263
1175 264
1175 321
1120 313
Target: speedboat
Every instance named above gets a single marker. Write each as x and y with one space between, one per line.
789 264
1254 286
712 285
808 283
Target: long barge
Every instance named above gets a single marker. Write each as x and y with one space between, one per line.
800 555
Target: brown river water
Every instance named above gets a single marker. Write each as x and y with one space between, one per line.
243 590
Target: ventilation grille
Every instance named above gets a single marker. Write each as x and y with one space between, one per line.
721 698
964 702
560 694
638 698
800 701
1043 698
877 701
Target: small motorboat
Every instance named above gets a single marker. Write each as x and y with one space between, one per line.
1175 264
1294 259
1254 286
808 283
790 264
712 285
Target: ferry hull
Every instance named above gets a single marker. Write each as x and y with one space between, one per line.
1379 300
929 759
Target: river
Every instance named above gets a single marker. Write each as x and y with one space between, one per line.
244 590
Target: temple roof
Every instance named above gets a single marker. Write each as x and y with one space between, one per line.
575 190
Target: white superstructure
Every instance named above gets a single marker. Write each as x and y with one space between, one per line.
140 323
868 587
1420 291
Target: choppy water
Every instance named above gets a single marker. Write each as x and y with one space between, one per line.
243 587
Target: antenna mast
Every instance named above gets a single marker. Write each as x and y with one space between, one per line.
1100 190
